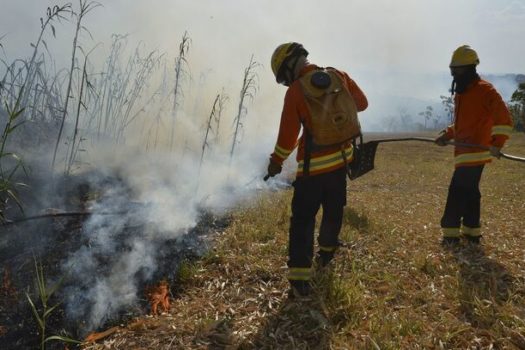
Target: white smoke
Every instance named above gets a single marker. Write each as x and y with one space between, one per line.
157 198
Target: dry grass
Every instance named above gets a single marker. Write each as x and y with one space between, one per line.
393 287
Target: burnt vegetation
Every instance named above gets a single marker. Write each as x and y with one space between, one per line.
68 227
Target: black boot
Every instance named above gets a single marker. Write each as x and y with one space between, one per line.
299 289
450 241
323 258
473 239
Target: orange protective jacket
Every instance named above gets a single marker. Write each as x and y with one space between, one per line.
295 114
482 118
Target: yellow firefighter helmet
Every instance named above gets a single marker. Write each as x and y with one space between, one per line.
464 56
282 54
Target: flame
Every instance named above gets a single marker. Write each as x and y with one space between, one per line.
159 295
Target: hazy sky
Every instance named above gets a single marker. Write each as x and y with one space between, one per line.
358 34
387 46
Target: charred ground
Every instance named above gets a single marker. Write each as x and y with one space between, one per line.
47 236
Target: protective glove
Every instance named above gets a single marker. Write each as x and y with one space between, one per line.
274 168
495 151
441 140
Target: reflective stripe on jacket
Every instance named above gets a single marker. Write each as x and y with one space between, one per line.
295 113
481 118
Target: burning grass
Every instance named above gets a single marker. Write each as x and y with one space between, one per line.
158 297
392 287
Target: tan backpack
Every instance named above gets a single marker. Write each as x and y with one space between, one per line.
332 108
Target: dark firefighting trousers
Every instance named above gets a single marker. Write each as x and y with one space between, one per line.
462 211
311 192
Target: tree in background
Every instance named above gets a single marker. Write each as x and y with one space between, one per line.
427 115
517 107
439 122
448 105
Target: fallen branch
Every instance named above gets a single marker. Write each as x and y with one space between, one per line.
93 337
57 215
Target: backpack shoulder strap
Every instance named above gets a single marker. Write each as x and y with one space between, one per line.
308 88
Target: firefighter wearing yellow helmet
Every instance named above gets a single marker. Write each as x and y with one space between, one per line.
321 171
481 117
464 56
285 59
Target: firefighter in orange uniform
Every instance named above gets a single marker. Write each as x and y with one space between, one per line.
321 175
482 118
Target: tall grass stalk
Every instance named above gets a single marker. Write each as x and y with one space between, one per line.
157 121
12 81
43 101
248 90
212 124
80 104
145 68
85 8
45 293
118 91
209 128
7 187
51 102
162 91
101 110
220 108
180 61
56 12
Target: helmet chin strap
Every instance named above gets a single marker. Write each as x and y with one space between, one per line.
301 62
293 67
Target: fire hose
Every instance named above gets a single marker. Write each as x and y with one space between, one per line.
365 154
453 143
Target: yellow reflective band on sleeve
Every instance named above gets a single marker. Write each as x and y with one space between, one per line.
502 130
299 273
471 231
472 157
328 161
450 231
327 249
281 152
